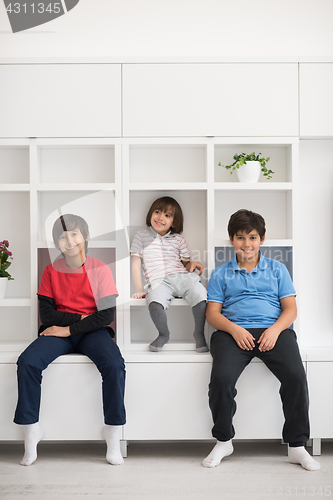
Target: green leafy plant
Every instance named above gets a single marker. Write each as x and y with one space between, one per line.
242 158
5 258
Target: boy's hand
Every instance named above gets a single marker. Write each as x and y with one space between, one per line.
139 295
56 331
268 339
193 265
243 338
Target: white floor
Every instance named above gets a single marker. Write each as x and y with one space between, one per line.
77 471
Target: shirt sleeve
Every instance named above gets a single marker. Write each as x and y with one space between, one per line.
49 315
137 245
105 283
285 284
184 252
103 316
215 291
46 285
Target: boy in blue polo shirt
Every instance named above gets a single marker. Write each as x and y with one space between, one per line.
251 304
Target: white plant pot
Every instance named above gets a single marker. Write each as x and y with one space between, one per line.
3 287
249 172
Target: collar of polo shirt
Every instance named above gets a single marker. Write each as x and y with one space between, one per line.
262 264
155 233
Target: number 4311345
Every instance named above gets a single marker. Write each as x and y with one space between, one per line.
34 7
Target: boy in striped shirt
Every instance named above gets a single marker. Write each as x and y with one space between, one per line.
164 256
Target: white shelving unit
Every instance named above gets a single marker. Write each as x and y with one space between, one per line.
115 137
112 183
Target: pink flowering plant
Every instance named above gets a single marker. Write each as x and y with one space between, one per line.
5 260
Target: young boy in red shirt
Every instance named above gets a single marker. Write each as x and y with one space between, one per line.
77 299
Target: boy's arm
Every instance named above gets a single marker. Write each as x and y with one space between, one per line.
103 316
192 265
136 276
242 337
289 313
49 315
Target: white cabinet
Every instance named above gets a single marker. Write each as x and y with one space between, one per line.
60 100
316 99
167 399
320 375
251 99
111 182
8 398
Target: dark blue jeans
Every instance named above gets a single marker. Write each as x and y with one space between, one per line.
284 361
98 346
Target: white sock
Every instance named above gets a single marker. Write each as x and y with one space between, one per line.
221 449
299 455
111 434
32 435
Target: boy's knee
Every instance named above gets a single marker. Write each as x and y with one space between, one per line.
26 362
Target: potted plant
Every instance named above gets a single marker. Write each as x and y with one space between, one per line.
248 167
5 258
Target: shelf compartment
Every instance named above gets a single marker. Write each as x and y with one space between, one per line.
194 207
180 323
280 161
15 324
14 165
160 162
70 164
15 227
96 207
274 206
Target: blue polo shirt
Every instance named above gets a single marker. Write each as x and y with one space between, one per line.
251 300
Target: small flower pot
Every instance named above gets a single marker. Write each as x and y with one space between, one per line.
3 287
249 172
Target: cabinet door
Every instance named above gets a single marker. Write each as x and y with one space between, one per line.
316 99
320 375
71 405
167 401
210 99
60 100
8 399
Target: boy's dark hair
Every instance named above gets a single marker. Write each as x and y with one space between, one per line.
164 204
245 220
68 222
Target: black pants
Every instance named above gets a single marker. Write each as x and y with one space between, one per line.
284 361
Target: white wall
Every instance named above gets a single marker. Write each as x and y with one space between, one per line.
198 28
315 297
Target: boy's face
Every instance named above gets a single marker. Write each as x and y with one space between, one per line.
247 245
161 222
72 243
